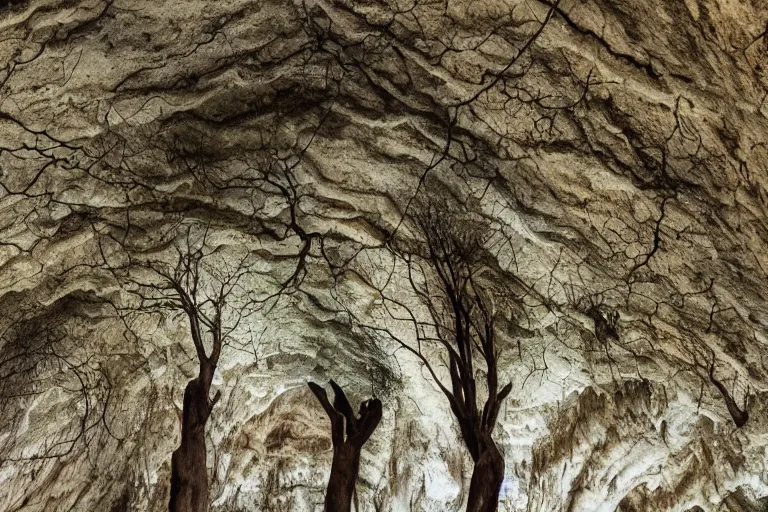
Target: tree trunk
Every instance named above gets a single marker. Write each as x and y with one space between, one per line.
346 452
487 477
341 485
189 475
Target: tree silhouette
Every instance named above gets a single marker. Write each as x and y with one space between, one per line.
346 450
208 290
454 325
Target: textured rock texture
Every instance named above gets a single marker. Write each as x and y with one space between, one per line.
617 148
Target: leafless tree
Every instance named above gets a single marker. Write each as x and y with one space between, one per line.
740 415
453 326
346 449
212 285
208 290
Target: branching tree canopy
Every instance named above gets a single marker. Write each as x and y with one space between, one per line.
216 162
453 326
189 267
208 290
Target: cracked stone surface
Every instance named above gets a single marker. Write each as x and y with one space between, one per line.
617 149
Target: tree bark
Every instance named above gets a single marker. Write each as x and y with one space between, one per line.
189 474
487 477
344 471
346 451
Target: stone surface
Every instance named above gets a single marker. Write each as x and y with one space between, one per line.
617 148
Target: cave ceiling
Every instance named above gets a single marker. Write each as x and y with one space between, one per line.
609 157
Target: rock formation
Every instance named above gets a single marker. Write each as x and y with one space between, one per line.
614 152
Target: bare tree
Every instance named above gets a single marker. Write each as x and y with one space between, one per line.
214 287
740 415
454 323
207 289
346 450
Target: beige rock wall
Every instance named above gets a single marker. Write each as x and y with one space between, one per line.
617 147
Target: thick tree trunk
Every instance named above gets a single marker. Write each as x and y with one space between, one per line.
341 485
487 477
346 451
189 475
